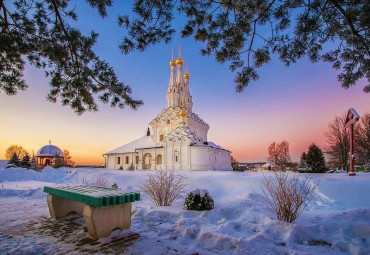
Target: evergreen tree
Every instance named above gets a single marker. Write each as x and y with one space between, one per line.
34 165
303 160
243 33
131 167
58 161
25 161
39 31
315 159
246 33
14 160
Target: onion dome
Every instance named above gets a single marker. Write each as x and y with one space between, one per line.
49 151
179 61
186 75
182 113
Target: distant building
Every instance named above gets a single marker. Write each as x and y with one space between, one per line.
47 154
177 137
269 166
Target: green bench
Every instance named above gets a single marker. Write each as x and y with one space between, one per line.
103 209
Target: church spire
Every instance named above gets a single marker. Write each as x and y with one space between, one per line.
178 94
186 75
179 62
172 75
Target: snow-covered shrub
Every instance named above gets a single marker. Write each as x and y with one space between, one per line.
10 166
131 167
163 187
101 181
287 197
200 200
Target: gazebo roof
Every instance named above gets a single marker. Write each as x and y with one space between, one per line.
49 151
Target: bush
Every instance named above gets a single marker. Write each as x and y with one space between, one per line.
163 187
199 200
131 167
287 197
101 181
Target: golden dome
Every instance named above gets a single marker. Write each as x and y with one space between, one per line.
186 76
172 63
182 113
179 61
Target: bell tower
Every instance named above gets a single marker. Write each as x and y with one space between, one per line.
178 94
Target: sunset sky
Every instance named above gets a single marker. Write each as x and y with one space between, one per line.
293 103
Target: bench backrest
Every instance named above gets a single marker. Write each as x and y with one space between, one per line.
94 196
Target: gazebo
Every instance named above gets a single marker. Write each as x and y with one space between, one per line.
46 155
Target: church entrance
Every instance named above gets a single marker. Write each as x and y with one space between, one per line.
147 161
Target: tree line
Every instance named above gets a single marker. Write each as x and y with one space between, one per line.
336 149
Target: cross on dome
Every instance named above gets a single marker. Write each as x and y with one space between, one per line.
186 75
179 60
172 62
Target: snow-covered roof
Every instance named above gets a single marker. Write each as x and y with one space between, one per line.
140 143
268 164
49 151
209 144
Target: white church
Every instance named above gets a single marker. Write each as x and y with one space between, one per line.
176 138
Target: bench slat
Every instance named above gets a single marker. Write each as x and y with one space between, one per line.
92 195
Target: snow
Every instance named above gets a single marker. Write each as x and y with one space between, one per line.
201 192
337 221
142 142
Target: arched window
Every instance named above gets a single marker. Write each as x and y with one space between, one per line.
137 159
168 121
119 160
161 136
159 159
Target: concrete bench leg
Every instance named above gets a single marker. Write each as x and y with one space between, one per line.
60 207
101 221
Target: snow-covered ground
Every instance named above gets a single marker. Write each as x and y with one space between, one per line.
337 221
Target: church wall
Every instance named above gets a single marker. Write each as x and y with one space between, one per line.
188 158
114 163
207 158
150 162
